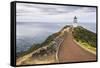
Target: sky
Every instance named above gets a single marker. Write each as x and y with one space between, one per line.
34 20
54 13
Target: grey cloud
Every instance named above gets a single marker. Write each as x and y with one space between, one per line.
44 13
91 9
49 9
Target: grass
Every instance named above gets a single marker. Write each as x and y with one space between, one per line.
37 46
85 37
87 46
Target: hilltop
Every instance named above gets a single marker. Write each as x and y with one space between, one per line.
47 52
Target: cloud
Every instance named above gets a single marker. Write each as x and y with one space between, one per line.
33 19
53 13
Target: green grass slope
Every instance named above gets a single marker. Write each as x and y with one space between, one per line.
37 46
85 37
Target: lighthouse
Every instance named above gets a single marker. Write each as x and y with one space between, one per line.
75 22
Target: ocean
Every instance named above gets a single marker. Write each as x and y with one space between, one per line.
29 34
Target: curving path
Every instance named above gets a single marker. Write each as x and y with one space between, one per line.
69 51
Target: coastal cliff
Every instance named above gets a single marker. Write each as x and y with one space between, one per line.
47 52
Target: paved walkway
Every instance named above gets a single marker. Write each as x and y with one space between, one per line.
69 51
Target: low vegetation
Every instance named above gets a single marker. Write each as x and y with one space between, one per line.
36 46
85 37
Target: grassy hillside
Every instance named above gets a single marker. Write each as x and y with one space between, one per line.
80 34
45 43
84 36
36 46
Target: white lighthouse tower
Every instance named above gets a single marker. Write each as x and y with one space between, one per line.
75 22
